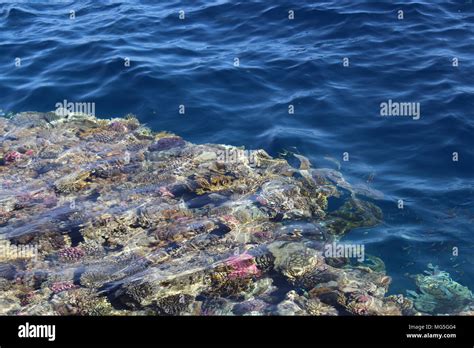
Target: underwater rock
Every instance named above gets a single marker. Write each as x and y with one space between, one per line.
7 271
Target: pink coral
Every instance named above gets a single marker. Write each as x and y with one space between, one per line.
71 254
262 200
231 220
263 234
12 156
50 200
242 266
165 192
62 286
361 311
363 298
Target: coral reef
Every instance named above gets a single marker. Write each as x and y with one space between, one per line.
120 220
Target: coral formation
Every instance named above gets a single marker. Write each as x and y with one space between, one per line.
439 294
122 220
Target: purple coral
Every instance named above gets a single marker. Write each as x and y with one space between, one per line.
71 254
231 220
264 235
165 192
167 143
242 266
62 286
50 200
362 298
12 156
263 201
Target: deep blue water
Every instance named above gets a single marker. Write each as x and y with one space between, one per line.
282 62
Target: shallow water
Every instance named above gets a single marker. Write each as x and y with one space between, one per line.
282 62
